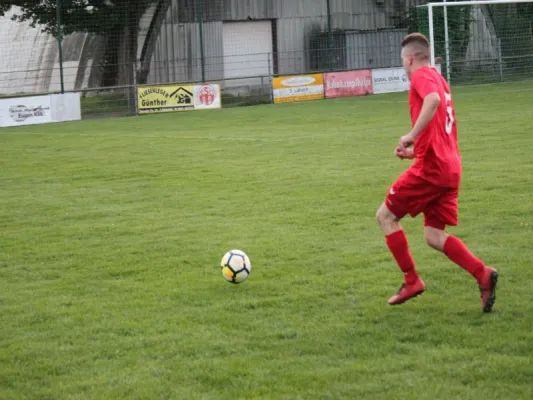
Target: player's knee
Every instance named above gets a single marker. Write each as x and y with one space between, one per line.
378 216
432 242
385 219
435 238
381 217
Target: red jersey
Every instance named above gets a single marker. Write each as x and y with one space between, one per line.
436 150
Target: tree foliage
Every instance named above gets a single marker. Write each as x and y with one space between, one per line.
94 16
115 20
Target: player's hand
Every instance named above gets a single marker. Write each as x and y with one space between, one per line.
399 152
402 154
407 141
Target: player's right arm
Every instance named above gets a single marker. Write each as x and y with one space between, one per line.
426 88
429 108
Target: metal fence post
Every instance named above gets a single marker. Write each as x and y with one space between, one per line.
500 58
270 72
135 83
201 34
391 51
59 12
330 36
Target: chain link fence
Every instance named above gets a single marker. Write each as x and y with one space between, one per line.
480 43
104 49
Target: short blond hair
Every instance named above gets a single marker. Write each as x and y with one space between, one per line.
419 43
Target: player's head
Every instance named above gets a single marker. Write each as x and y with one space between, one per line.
415 52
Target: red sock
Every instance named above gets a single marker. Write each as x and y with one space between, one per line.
456 251
397 243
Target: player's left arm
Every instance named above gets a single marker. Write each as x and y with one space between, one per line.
427 89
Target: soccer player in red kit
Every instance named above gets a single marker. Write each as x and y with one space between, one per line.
431 184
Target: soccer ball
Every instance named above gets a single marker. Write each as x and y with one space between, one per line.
235 266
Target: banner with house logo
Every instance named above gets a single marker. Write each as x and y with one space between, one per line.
171 98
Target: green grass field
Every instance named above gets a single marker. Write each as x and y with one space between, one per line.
112 233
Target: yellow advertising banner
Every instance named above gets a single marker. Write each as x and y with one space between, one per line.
298 88
171 98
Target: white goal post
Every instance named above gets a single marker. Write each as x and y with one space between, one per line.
445 4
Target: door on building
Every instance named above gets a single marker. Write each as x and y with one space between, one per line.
247 53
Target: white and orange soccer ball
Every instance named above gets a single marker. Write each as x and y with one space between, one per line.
235 266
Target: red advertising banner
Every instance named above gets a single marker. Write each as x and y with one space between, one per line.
346 84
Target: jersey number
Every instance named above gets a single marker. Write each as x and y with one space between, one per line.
449 113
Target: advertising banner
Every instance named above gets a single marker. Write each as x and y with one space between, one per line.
206 96
66 107
389 80
25 111
171 98
298 88
40 109
346 84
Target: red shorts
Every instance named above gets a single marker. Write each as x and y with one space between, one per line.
413 195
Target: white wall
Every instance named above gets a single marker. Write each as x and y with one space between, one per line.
247 48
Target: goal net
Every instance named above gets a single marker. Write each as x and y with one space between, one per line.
480 41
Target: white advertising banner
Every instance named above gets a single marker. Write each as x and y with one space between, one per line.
66 107
40 109
389 80
25 111
207 96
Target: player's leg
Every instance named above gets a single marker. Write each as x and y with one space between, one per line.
455 250
389 221
444 212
